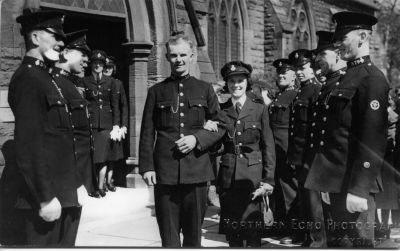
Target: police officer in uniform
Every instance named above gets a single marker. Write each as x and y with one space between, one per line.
285 191
349 160
117 151
65 74
103 97
48 198
247 163
173 146
300 116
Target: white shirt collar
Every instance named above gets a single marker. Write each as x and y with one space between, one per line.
241 100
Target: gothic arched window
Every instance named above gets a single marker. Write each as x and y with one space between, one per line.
301 26
225 33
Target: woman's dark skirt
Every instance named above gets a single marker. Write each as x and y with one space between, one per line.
240 216
102 146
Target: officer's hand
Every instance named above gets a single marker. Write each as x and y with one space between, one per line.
264 189
211 126
325 198
50 210
186 143
82 195
355 203
150 178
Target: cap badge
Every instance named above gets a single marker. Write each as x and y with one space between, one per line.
296 55
280 63
107 60
62 19
99 55
37 62
361 60
233 68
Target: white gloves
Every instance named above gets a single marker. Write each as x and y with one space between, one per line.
115 135
118 133
123 131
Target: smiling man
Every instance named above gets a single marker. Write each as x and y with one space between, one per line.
43 137
355 124
173 146
299 118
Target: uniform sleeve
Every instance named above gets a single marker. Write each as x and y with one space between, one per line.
267 148
371 134
30 111
124 106
147 135
115 96
205 138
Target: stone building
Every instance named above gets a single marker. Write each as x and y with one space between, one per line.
135 32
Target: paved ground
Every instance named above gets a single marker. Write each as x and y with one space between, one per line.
126 219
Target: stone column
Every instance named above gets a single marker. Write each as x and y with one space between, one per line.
138 56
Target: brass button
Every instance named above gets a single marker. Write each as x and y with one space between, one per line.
323 132
254 126
327 107
324 119
311 145
321 143
181 94
238 122
313 124
182 114
162 107
241 156
180 85
367 164
181 135
239 133
240 144
181 104
315 114
182 125
59 102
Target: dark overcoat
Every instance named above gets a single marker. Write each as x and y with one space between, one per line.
103 98
43 137
351 137
117 151
249 148
307 94
83 137
175 108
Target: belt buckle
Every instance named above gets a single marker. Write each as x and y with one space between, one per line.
237 149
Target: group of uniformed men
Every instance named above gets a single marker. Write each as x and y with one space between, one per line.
330 137
58 113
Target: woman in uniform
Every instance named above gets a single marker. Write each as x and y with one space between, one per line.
117 151
101 92
247 166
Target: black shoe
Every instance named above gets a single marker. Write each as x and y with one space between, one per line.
95 194
102 192
111 187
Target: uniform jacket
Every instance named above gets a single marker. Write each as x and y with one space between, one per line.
123 104
175 108
306 95
43 137
280 110
80 119
355 132
249 148
103 101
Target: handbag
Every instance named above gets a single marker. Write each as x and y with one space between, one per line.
267 213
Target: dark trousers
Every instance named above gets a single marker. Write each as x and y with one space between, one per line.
59 233
311 213
312 216
352 229
285 198
180 208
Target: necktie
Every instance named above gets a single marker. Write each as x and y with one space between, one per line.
238 107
